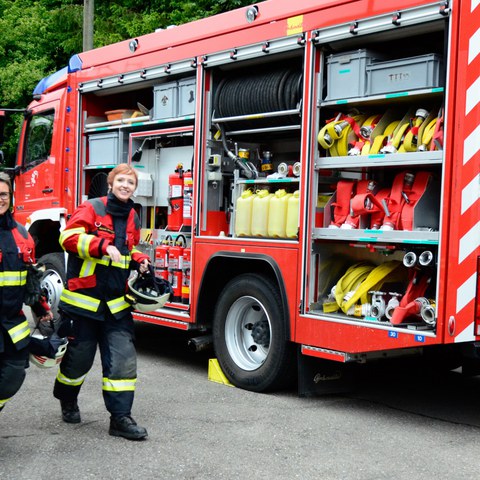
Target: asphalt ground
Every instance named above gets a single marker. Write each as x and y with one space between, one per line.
391 427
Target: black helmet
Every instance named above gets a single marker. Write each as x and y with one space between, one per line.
147 292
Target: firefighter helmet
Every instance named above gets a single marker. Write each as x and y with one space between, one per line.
47 351
147 292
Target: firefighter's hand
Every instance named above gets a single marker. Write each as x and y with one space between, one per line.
113 253
48 317
144 266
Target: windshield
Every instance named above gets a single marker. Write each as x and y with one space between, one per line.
39 138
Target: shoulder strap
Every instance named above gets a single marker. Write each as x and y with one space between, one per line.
99 206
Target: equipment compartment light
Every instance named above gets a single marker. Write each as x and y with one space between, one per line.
251 13
133 45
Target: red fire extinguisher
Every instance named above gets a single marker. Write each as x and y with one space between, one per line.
175 266
175 199
161 258
187 198
186 275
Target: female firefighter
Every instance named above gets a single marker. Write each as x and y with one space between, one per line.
16 252
100 239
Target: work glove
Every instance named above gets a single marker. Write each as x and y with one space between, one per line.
33 292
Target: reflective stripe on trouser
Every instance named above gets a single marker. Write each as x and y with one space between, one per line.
71 382
118 395
118 356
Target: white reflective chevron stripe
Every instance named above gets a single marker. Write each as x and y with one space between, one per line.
473 96
469 242
124 385
474 46
466 292
464 274
470 194
466 335
471 145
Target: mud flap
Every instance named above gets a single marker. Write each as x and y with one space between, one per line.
317 376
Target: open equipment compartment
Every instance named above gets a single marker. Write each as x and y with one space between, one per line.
378 177
256 119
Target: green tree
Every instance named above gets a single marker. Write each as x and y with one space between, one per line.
39 37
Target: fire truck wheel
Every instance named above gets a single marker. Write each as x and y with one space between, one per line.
53 279
250 335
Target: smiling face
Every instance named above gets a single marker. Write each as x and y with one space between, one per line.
124 185
4 197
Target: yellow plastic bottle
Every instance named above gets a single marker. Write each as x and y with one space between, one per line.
277 214
243 214
291 228
261 204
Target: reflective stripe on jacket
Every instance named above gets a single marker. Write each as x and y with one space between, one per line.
16 249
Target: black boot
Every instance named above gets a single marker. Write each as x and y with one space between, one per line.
70 411
126 427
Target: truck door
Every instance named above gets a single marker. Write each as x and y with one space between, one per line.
38 185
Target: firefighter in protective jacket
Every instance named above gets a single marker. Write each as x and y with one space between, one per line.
16 252
100 238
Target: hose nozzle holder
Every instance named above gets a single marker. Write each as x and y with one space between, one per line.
392 304
427 311
410 259
378 304
425 258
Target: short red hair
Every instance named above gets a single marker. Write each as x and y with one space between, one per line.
122 169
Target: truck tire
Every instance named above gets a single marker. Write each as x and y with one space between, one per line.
250 335
53 280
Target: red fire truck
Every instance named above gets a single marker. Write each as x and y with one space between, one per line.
309 179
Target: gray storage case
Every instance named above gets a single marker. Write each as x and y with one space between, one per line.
346 73
404 74
106 149
186 96
165 100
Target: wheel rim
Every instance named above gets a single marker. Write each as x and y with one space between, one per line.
52 286
248 333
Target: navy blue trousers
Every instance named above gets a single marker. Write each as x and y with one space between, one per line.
115 339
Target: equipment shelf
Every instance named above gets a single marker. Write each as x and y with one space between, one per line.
386 98
258 117
131 123
382 160
413 328
367 235
261 181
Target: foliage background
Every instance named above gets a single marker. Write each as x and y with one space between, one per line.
39 37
